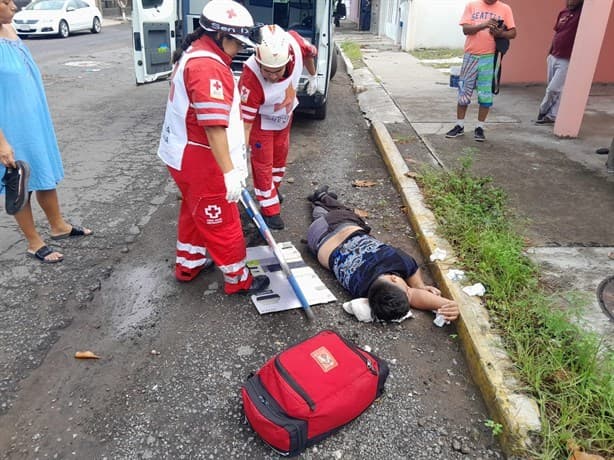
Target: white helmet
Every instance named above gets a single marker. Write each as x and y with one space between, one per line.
273 50
230 17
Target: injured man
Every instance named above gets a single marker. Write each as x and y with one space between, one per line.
388 277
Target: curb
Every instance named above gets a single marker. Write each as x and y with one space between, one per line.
491 368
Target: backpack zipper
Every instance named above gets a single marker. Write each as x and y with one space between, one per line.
295 386
365 359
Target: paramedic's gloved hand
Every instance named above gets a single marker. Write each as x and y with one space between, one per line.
234 182
311 86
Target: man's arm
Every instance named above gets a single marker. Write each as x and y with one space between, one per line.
472 29
310 65
415 281
499 32
425 297
422 299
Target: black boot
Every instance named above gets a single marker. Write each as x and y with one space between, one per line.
274 222
259 283
320 192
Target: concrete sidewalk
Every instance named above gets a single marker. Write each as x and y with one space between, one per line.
113 21
561 186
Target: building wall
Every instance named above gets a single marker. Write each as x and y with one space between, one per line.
526 60
434 24
351 10
389 20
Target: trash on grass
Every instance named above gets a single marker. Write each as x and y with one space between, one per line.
455 274
438 254
477 289
577 454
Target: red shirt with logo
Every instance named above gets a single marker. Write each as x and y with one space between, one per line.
565 33
210 87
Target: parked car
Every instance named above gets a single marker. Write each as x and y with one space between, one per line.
57 17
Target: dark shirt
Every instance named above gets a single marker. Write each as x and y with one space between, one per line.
360 259
340 10
565 33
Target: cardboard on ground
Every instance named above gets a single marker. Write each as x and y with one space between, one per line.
280 295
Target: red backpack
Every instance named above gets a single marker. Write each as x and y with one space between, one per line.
310 390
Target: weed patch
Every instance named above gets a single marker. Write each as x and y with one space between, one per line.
564 367
436 53
352 51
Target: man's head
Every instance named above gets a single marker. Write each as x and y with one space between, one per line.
490 2
273 52
388 297
574 4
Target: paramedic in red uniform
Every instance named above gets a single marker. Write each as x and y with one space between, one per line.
268 97
203 144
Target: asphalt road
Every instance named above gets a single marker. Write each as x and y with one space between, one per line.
174 356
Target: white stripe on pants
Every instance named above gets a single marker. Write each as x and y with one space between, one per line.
557 72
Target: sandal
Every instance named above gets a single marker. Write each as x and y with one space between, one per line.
16 182
42 254
74 231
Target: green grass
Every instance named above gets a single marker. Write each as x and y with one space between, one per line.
563 367
352 51
441 65
436 53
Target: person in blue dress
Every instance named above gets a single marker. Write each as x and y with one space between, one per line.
27 134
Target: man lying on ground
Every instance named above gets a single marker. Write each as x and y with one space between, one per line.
366 267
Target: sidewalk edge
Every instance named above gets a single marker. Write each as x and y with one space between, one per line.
490 366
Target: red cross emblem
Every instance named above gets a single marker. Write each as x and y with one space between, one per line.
213 211
217 85
231 14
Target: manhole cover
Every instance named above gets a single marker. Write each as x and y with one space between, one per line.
605 295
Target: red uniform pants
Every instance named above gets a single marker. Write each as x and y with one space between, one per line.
268 158
208 224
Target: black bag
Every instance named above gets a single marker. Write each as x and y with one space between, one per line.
501 47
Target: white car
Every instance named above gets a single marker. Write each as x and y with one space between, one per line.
57 17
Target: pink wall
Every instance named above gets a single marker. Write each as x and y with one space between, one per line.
526 60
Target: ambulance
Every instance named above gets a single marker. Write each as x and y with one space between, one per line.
158 26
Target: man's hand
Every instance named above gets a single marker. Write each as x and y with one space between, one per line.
491 24
234 182
7 158
498 32
449 311
311 86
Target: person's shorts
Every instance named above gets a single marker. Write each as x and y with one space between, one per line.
477 72
319 232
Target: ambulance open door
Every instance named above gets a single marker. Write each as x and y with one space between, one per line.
153 38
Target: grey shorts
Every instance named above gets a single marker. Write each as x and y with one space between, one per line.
318 233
